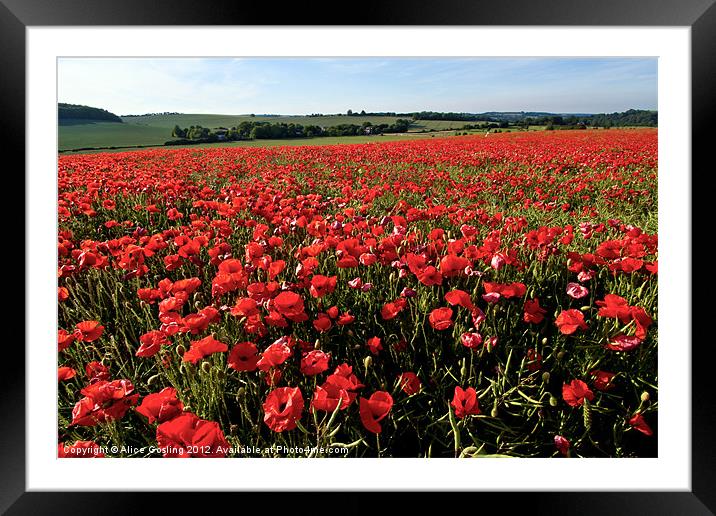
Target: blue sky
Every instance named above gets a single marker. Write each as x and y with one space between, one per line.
334 85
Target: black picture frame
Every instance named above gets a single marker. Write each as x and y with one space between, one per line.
17 15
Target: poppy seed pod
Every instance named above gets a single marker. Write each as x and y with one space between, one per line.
561 355
644 396
553 401
545 377
368 361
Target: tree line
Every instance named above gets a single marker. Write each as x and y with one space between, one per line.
79 112
249 130
631 117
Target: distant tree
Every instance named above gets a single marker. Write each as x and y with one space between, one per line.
178 132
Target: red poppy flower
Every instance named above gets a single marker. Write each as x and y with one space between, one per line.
282 408
452 265
243 357
64 339
615 307
471 340
410 383
322 285
88 331
345 319
534 313
392 309
642 320
189 436
441 318
96 371
638 422
202 348
346 372
151 343
314 362
65 373
602 380
623 343
375 345
534 360
79 450
322 322
576 291
460 298
507 291
161 406
575 392
430 276
569 321
290 305
197 323
562 444
274 355
103 401
375 409
335 390
465 402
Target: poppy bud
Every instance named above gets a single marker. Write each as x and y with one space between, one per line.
317 344
368 361
545 341
240 393
357 347
553 401
560 355
585 308
463 369
545 377
183 369
206 367
197 305
644 397
181 350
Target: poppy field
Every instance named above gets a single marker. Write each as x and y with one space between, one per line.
476 296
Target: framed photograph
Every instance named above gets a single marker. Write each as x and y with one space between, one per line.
355 258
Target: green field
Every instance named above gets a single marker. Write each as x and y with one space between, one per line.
156 129
291 142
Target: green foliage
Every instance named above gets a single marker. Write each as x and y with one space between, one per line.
79 112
